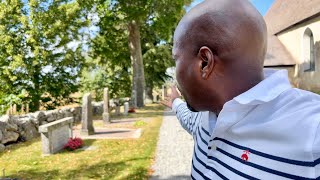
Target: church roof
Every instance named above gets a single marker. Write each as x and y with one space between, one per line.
282 15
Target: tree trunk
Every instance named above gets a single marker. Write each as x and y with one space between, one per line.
36 94
138 80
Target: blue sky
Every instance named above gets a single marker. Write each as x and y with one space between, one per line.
261 5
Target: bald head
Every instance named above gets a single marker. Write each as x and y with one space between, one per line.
219 48
227 27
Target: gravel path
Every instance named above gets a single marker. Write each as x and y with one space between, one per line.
174 151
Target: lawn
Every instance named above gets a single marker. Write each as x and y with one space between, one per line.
112 159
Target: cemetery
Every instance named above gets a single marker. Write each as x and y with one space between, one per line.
33 145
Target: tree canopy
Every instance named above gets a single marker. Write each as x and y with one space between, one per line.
146 27
47 53
36 52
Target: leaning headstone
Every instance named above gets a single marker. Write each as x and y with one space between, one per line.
106 116
126 108
87 123
55 135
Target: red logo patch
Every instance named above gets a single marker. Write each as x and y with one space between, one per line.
245 155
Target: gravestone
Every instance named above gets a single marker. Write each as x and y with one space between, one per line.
106 116
118 110
126 108
55 135
87 123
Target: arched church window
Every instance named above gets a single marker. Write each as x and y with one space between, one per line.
308 50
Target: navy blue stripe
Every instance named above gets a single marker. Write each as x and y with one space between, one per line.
199 172
205 131
316 162
286 175
276 158
192 177
202 151
194 121
208 167
232 169
204 164
205 142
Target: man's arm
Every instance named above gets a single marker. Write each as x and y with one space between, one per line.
189 120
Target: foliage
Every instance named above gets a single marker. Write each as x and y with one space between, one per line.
157 60
156 21
38 52
95 78
73 144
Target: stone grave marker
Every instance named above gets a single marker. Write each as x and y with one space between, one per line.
87 123
106 115
126 108
55 135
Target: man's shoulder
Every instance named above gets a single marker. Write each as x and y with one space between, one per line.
299 103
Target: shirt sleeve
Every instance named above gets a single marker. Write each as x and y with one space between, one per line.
316 152
189 120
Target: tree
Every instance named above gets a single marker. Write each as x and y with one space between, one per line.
41 47
136 21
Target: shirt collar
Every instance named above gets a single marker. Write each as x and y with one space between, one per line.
275 83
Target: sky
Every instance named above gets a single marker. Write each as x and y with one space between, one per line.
261 5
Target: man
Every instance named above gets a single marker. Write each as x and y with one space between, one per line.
252 124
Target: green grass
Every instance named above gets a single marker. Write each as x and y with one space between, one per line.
140 123
113 159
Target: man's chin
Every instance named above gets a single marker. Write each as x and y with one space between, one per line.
191 108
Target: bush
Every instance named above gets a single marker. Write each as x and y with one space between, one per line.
73 144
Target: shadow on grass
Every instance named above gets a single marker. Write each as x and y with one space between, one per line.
101 170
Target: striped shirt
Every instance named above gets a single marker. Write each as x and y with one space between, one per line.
269 132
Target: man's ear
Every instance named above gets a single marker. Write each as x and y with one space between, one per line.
207 62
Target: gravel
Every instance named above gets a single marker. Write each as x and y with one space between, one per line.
174 151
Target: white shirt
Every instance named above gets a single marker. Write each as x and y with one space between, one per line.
269 132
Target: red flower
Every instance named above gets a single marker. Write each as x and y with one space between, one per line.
73 144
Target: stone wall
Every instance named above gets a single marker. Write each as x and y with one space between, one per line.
25 127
